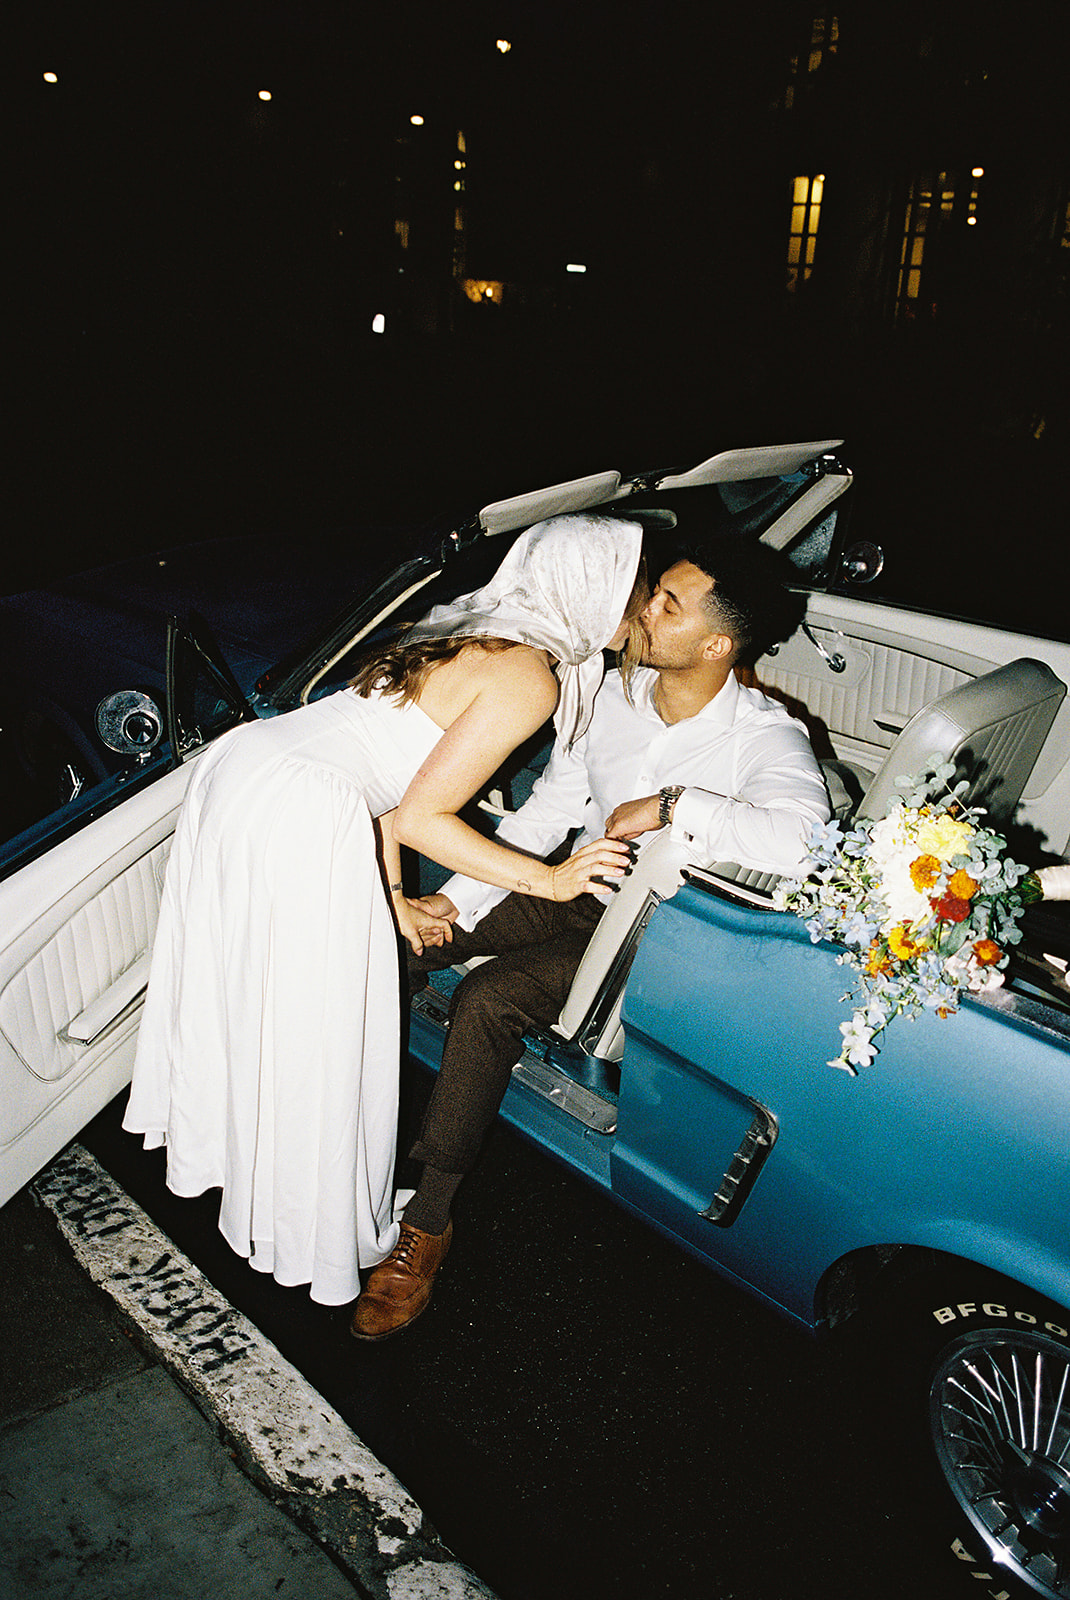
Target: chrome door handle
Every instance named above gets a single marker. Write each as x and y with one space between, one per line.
836 663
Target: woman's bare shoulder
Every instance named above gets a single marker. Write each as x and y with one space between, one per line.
517 674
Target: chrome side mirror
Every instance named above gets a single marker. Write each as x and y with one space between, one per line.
862 562
130 723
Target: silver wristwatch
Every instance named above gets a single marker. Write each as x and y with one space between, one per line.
667 797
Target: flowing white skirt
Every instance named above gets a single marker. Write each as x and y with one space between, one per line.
268 1052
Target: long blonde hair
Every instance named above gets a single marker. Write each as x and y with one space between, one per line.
631 654
401 670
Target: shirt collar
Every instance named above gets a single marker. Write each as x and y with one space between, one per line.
721 709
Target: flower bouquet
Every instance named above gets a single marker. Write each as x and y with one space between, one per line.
925 900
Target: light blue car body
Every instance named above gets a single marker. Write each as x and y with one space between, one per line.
953 1140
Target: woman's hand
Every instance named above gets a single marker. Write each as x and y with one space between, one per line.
595 868
419 925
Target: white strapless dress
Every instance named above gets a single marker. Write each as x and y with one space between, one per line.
268 1053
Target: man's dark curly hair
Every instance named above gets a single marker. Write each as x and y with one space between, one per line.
749 599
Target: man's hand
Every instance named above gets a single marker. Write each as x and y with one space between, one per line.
439 906
633 818
426 921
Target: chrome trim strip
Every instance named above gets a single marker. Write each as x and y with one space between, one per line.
743 1169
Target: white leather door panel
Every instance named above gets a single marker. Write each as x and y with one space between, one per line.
896 662
76 928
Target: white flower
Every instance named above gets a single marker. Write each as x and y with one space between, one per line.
892 849
858 1047
980 978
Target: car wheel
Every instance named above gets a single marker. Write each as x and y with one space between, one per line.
987 1372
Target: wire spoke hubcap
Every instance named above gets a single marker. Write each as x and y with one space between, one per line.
1000 1418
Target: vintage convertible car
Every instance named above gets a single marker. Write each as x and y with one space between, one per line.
919 1209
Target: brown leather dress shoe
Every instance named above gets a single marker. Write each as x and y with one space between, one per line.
400 1287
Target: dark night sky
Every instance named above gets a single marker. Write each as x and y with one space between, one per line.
191 345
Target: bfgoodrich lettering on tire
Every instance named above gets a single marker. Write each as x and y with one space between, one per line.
990 1371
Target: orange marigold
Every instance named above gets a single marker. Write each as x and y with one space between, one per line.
924 872
987 952
962 886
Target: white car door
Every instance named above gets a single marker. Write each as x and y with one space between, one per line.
76 929
865 668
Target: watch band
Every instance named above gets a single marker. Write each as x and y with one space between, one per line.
667 797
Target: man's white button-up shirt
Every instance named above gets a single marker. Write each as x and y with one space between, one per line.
752 785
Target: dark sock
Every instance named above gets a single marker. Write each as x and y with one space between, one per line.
429 1208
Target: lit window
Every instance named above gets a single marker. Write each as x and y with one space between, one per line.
502 46
915 228
264 94
935 202
417 121
575 266
483 291
460 142
50 77
401 232
806 197
378 323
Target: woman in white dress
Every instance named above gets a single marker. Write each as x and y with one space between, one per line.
268 1054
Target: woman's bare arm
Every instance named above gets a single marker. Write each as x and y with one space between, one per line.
513 694
415 922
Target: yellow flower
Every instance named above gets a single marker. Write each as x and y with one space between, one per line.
962 886
877 960
901 944
987 952
944 837
924 872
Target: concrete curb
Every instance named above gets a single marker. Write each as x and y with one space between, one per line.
291 1440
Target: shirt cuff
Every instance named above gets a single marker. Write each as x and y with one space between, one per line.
691 814
472 899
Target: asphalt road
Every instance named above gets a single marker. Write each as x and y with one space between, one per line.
584 1412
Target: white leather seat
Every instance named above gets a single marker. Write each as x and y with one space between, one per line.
992 728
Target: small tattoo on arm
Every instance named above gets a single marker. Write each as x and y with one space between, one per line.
524 885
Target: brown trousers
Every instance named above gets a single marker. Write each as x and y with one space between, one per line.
538 945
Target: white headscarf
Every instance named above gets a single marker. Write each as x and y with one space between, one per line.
562 587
